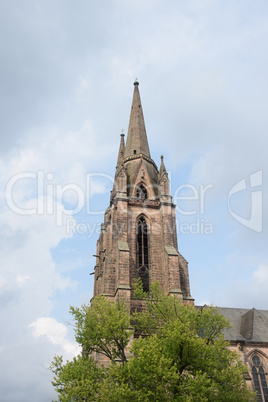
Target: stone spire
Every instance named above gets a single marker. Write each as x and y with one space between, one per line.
138 238
121 151
137 142
162 169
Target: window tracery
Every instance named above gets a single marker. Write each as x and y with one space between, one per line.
141 192
142 253
259 379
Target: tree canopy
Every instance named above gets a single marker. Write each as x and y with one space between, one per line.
166 352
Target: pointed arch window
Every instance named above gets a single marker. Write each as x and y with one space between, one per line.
142 192
142 253
259 379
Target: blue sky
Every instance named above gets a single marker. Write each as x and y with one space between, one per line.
67 73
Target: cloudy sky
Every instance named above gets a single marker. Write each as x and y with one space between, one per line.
66 84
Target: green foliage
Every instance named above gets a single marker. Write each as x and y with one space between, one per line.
180 356
103 327
78 380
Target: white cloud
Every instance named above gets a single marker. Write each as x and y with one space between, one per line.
30 277
22 278
244 282
260 277
82 92
56 334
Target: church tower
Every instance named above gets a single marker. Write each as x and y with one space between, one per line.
138 238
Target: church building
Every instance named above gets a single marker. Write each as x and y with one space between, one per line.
138 239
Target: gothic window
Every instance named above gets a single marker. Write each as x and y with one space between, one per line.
142 253
142 192
259 379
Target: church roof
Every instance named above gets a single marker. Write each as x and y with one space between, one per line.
247 325
137 142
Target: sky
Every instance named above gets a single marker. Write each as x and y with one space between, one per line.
66 84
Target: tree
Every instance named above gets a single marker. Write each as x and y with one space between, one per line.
180 354
78 380
103 327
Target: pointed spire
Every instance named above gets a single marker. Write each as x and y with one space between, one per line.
137 142
121 150
162 169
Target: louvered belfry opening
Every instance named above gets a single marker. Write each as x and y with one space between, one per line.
142 253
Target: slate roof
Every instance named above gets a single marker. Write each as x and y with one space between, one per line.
247 325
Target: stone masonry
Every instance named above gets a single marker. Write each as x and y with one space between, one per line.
138 237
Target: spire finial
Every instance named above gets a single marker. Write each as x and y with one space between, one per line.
136 81
162 169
